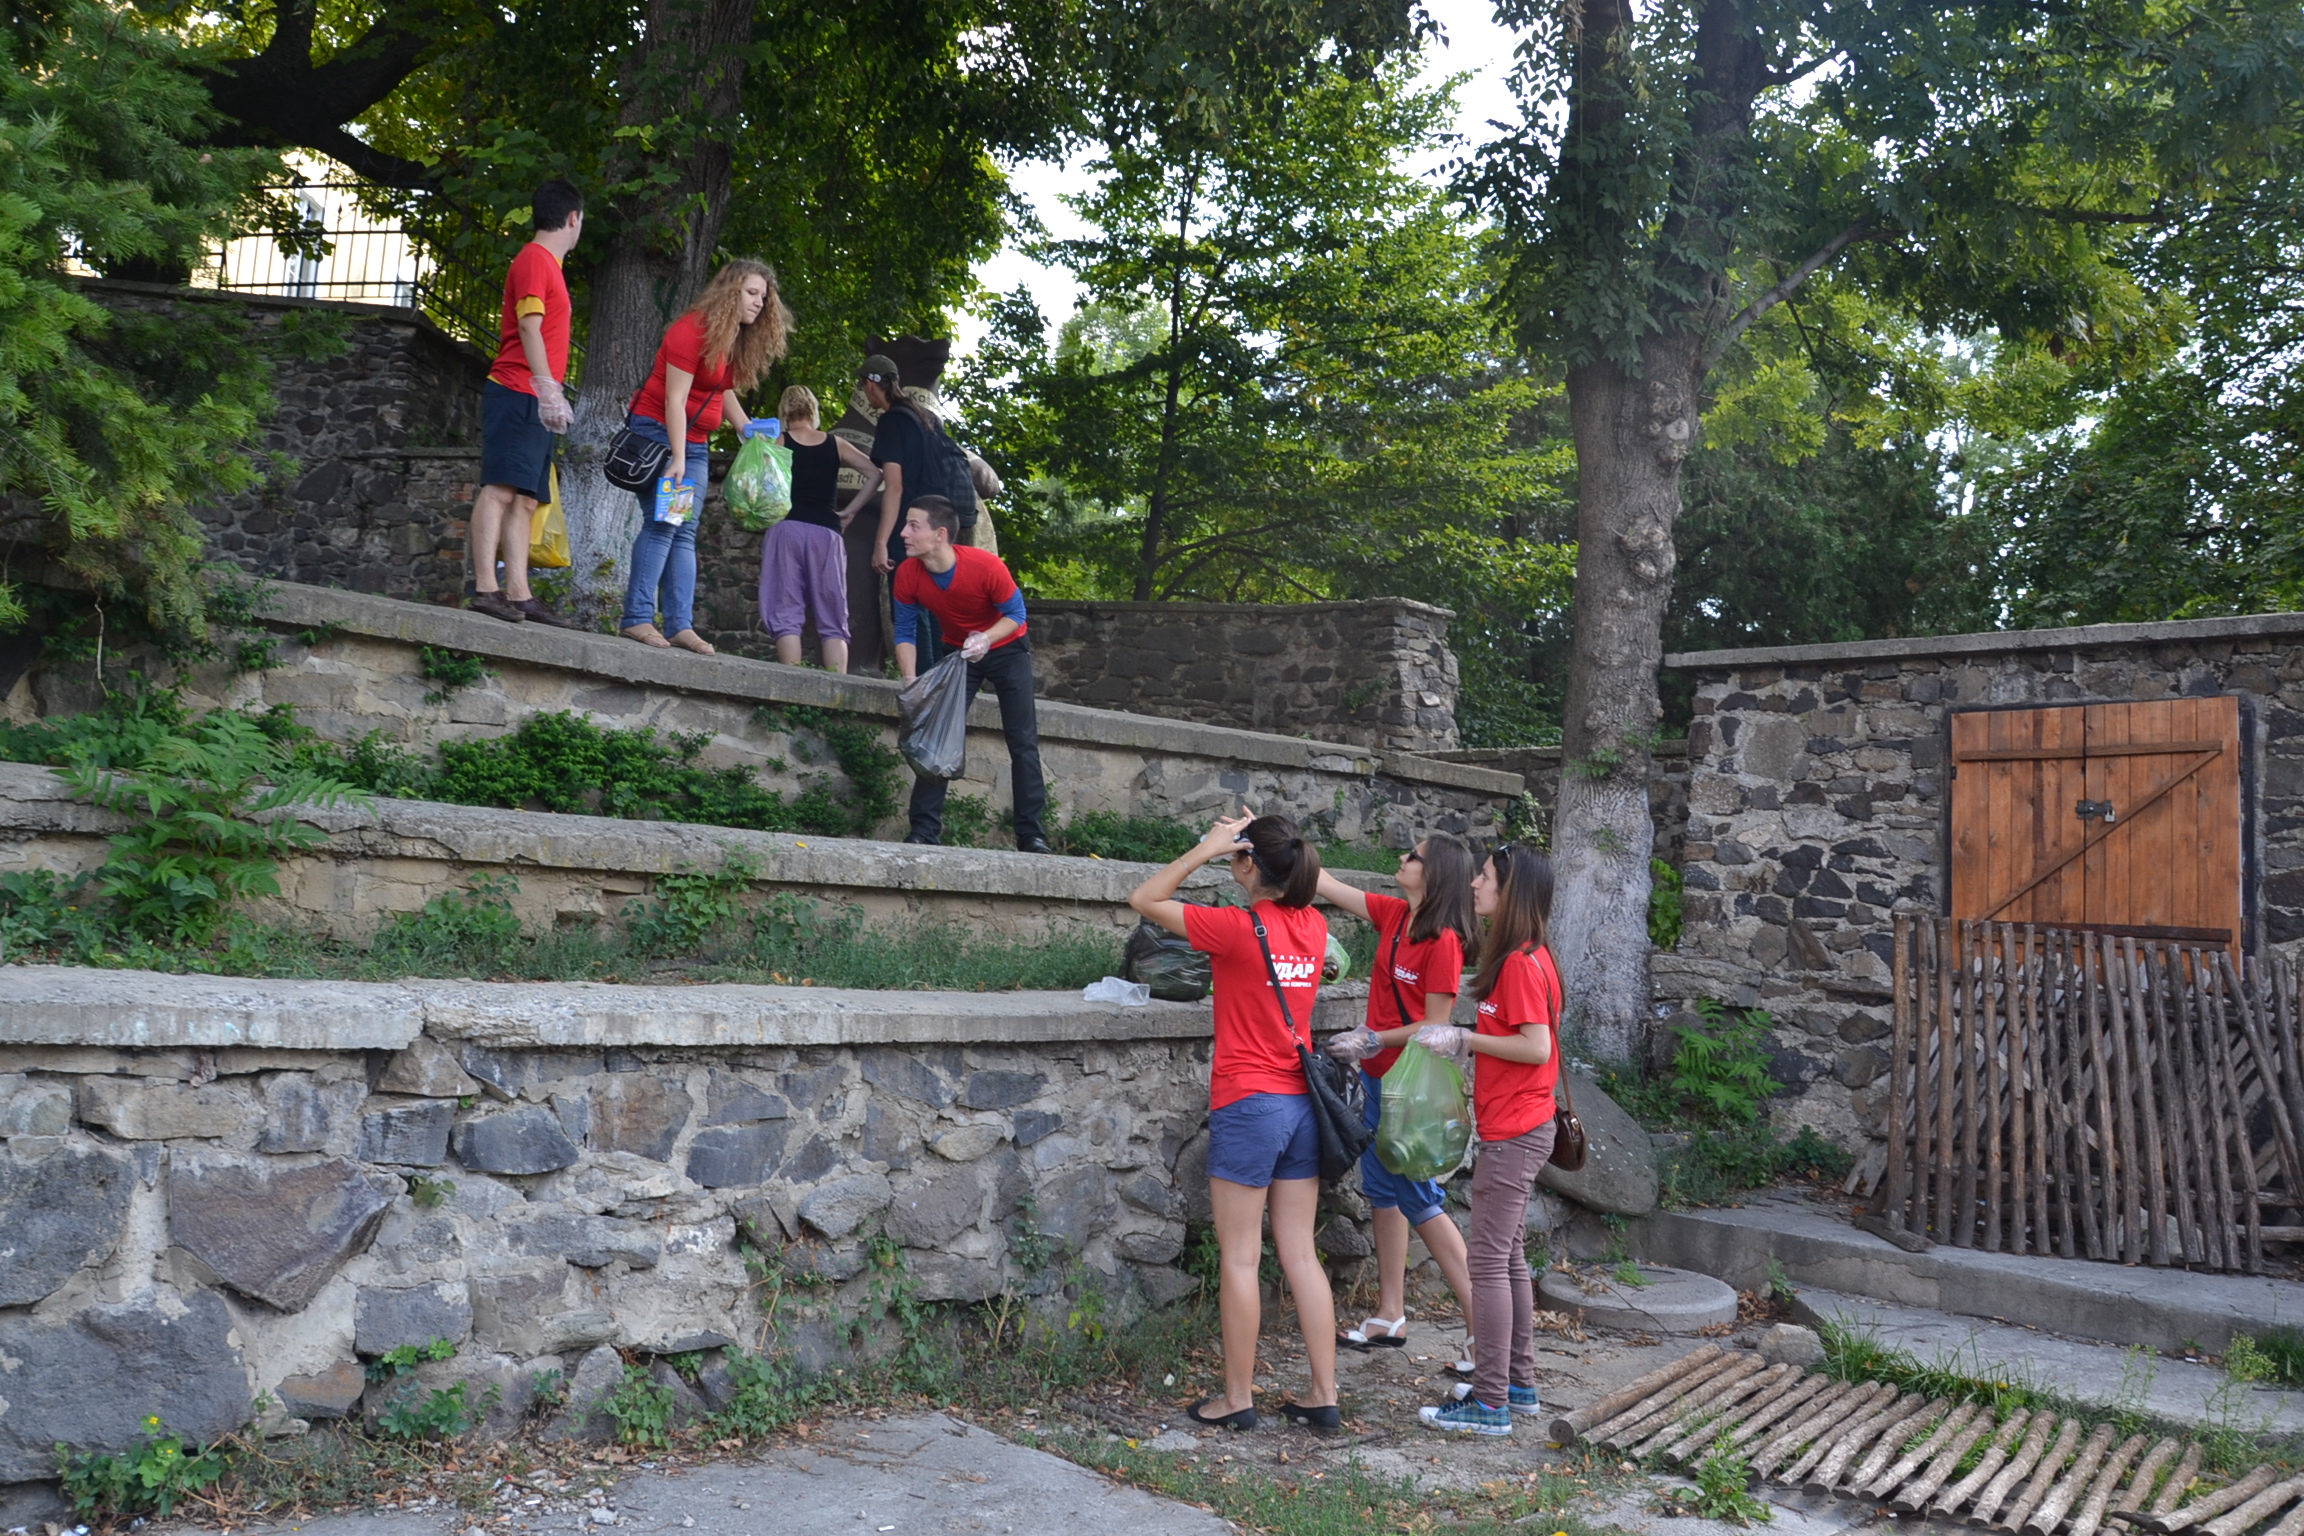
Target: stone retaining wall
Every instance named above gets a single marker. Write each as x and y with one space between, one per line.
1539 769
378 437
1817 811
213 1189
352 664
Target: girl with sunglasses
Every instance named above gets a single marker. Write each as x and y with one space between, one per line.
1263 1148
1422 937
1517 1038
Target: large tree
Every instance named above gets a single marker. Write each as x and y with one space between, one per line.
1990 168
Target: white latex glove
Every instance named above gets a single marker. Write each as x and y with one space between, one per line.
1355 1045
552 407
977 646
1446 1040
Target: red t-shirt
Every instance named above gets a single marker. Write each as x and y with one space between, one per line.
1512 1098
980 595
534 286
1252 1050
1435 965
683 348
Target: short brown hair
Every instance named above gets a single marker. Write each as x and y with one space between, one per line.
941 514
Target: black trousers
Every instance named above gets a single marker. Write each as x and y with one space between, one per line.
1008 668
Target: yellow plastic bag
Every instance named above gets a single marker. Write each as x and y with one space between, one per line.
548 532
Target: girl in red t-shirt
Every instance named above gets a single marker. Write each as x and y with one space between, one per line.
734 335
1422 937
1518 1043
1262 1144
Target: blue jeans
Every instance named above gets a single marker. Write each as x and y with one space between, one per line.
664 556
1417 1199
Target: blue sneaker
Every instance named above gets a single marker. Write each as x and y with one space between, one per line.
1523 1399
1468 1418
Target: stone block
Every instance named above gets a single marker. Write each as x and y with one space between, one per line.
966 1143
1341 1238
1192 1180
328 1394
838 1208
574 1332
426 1069
1619 1173
953 1277
1148 1194
414 1135
581 1417
912 1075
514 1141
1164 1247
1790 1344
510 1311
730 1100
276 1234
61 1209
638 1112
89 1381
302 1114
33 1107
1036 1125
586 1241
1075 1205
1002 1090
1163 1286
385 1318
736 1156
933 1212
135 1111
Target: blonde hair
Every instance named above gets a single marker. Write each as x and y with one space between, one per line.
799 404
753 349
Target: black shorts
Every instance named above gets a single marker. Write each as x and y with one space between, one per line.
515 446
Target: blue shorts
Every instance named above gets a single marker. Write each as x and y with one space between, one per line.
1263 1137
515 445
1417 1199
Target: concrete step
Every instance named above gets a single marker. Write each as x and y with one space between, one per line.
2169 1310
2088 1371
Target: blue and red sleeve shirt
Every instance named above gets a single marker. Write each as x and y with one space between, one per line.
974 595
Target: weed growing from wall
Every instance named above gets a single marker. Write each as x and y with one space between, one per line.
152 1477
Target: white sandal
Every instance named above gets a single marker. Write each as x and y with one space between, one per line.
1464 1366
1362 1338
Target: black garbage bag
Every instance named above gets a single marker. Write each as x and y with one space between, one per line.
1173 969
932 710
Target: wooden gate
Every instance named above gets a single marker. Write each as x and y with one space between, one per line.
2122 818
2059 1091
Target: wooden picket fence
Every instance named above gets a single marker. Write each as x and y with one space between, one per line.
2056 1091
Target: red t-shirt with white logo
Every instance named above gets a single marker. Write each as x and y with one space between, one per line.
1512 1098
1432 965
534 286
1253 1053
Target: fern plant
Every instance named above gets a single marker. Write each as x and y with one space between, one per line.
1721 1065
211 804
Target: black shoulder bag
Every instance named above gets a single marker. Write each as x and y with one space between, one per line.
1339 1101
635 463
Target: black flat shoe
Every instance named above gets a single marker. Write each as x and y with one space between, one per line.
1244 1419
1328 1418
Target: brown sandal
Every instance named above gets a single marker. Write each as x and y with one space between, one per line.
689 640
647 634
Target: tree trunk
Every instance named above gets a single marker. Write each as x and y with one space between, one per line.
685 82
1631 436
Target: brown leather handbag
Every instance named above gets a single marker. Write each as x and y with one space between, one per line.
1568 1147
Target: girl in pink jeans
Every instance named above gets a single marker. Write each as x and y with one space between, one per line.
1517 1041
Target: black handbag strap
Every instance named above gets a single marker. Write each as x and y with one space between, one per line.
633 404
1391 979
1273 971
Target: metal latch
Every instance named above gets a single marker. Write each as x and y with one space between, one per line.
2093 810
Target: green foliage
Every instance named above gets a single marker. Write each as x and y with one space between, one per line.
968 822
1720 1492
456 933
640 1409
1110 835
440 1414
1858 1354
448 671
563 762
1031 1248
2276 1357
691 903
1664 905
874 769
403 1358
206 802
430 1194
767 1393
153 1477
1720 1066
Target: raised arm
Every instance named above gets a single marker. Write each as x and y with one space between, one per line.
1156 897
1350 898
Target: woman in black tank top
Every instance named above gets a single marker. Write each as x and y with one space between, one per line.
803 559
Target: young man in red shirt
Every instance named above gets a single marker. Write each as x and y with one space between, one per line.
977 608
523 408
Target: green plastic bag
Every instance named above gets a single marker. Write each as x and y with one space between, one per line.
759 485
1427 1121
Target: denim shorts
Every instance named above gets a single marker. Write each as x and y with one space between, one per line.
1417 1199
1263 1137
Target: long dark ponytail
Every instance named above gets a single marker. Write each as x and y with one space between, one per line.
1284 861
1523 911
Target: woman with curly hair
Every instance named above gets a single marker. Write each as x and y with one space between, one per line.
726 343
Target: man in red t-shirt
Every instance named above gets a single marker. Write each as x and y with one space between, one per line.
976 607
523 408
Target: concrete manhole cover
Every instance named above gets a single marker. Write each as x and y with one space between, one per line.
1664 1300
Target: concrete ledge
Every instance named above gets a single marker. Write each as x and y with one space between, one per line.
2251 626
2166 1309
150 1010
765 682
